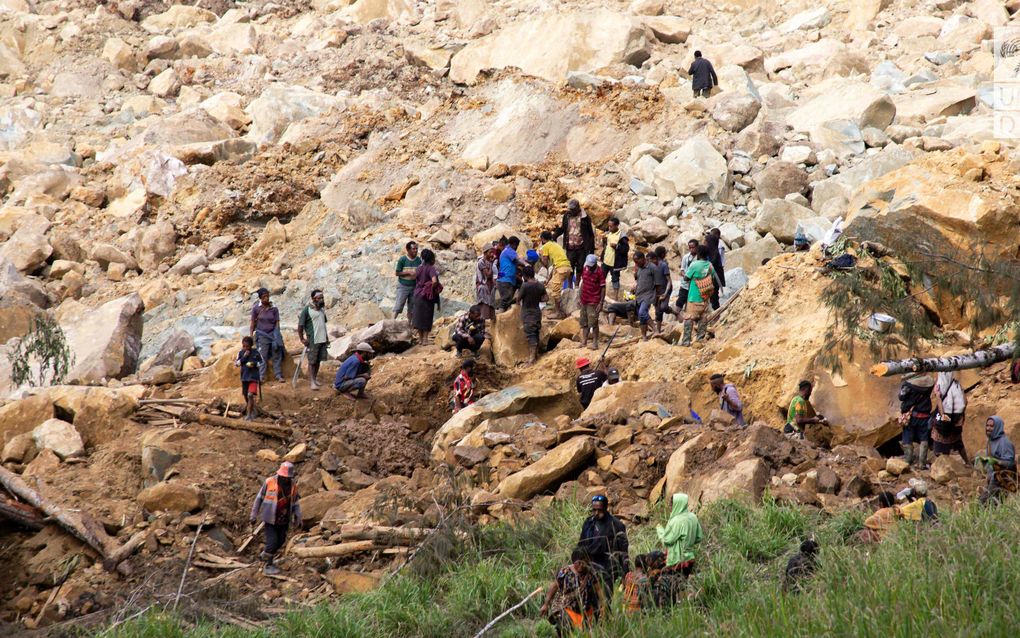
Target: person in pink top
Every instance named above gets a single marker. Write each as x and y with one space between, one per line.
593 294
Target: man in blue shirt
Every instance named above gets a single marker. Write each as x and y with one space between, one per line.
354 372
506 284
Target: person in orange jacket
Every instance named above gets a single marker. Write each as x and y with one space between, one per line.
276 505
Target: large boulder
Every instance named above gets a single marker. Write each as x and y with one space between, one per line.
780 218
780 179
390 335
279 105
934 100
59 436
106 341
554 43
178 16
533 397
155 244
506 333
833 194
696 168
631 396
843 99
546 473
364 11
734 111
171 497
27 249
842 137
750 256
178 346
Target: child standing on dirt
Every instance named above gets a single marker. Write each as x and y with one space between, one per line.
249 360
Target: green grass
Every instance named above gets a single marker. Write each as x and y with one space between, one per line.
960 578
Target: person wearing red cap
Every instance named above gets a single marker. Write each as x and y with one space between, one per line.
588 381
276 505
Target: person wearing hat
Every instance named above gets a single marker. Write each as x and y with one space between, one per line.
265 330
915 417
593 295
588 381
312 332
604 539
613 376
578 235
554 258
354 372
276 505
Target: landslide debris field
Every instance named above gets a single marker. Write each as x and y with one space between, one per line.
159 162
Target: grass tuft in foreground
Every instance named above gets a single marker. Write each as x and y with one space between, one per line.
959 578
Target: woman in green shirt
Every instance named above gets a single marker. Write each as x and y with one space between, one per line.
703 282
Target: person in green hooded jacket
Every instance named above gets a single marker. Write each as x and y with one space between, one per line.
681 533
699 274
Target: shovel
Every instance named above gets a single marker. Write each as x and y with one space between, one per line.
297 371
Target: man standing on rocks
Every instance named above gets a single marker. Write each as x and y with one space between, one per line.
729 400
604 539
703 76
713 239
555 259
265 329
915 417
276 505
593 295
658 259
311 331
354 372
530 296
588 381
406 267
614 253
578 236
648 290
470 331
506 283
685 284
703 283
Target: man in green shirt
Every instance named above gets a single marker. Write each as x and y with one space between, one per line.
406 267
801 412
312 332
700 274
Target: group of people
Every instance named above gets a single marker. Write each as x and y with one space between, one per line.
582 590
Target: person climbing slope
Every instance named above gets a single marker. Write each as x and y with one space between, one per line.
277 505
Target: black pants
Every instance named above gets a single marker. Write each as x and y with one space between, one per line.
506 294
715 300
576 258
462 343
681 299
276 536
702 92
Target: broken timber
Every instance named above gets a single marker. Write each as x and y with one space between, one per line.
343 549
266 429
979 359
21 513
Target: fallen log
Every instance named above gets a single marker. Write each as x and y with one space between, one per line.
123 552
384 535
979 359
21 513
79 524
492 623
265 429
328 551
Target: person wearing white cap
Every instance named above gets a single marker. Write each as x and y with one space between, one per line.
354 372
276 505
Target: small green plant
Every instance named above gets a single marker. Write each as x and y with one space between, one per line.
46 345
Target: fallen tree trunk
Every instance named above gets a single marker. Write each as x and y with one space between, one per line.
326 551
122 553
79 524
265 429
20 513
384 535
979 359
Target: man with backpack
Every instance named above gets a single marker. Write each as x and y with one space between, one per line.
704 282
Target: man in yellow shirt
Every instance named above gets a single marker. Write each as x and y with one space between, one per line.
555 258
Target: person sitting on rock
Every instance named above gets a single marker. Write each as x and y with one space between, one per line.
801 566
249 361
469 333
637 587
998 460
801 412
588 381
729 400
530 296
354 372
276 505
681 533
572 601
464 386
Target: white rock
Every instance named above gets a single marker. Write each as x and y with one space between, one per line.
59 436
106 341
695 168
806 20
842 137
280 105
177 17
779 218
166 84
120 54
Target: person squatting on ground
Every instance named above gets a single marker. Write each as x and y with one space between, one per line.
405 271
729 400
464 386
915 417
615 249
801 566
554 258
704 281
265 329
593 295
572 601
588 380
604 539
277 505
311 329
998 461
249 360
911 504
355 372
531 294
578 236
469 333
801 413
679 536
648 288
638 592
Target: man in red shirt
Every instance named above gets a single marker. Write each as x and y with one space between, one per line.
593 294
